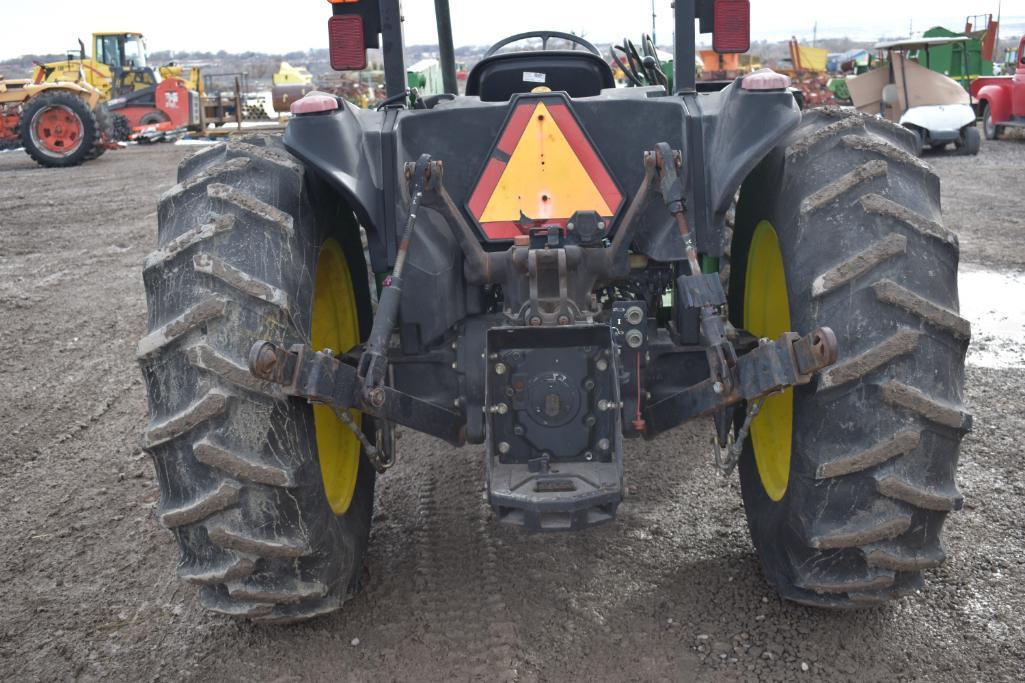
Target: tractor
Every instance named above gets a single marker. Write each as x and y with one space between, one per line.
59 123
549 267
141 99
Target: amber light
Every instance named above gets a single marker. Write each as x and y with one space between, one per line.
732 32
346 44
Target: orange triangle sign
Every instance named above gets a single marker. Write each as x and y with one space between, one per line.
543 167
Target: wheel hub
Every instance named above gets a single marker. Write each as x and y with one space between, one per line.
57 130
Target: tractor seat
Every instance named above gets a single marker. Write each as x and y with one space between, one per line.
497 77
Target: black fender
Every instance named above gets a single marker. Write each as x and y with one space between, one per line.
729 134
347 148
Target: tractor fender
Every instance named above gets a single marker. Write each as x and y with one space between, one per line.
997 96
737 130
346 150
87 92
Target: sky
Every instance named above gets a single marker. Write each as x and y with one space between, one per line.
290 25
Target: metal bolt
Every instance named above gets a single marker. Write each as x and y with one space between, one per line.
634 339
501 368
635 315
504 447
602 365
501 409
590 420
570 226
601 225
493 356
588 456
603 445
717 387
458 402
535 321
377 397
455 366
563 320
518 430
589 384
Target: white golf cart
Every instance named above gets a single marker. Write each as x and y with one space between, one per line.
933 106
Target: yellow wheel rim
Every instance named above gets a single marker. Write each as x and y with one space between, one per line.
336 327
767 314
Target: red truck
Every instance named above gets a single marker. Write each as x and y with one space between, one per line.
1002 99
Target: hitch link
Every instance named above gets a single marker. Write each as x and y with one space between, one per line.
373 364
322 378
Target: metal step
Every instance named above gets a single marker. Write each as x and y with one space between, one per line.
568 497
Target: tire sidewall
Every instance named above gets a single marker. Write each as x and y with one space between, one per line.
761 200
87 119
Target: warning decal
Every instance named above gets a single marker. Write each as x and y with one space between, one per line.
541 172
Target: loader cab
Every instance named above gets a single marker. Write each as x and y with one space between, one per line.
579 71
125 54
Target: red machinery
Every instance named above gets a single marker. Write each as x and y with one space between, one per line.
1002 99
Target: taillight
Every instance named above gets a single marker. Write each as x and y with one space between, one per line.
732 31
347 42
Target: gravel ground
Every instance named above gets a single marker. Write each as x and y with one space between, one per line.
672 590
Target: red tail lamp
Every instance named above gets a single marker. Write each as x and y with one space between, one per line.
732 32
346 42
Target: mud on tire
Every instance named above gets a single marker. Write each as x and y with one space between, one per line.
237 462
876 437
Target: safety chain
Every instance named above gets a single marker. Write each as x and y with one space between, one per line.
377 456
733 452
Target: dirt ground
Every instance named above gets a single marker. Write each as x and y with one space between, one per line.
672 590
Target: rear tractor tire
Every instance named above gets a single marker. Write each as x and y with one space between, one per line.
270 499
847 481
58 129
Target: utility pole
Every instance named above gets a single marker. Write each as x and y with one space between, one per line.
815 35
446 51
654 40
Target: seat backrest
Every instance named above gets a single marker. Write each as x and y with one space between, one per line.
577 72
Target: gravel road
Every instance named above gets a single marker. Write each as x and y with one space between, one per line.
672 590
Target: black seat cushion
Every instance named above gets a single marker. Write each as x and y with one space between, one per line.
498 77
